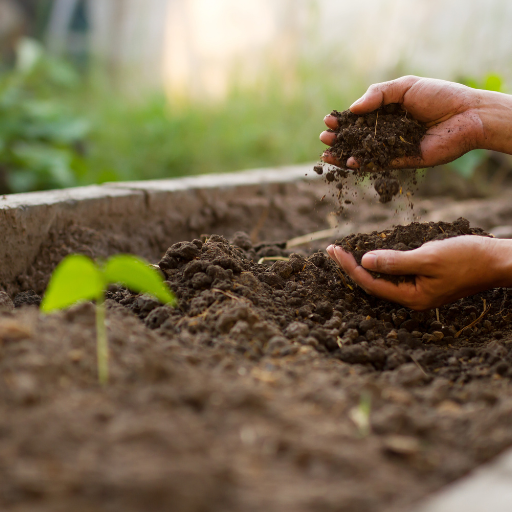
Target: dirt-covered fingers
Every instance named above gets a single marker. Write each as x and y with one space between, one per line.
356 272
405 293
409 162
344 259
331 253
347 262
328 138
329 159
351 163
383 94
331 121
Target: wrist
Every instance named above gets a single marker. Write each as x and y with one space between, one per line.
494 110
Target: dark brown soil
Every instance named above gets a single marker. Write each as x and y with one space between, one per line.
405 238
274 386
375 140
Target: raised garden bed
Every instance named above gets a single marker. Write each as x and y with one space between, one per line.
276 385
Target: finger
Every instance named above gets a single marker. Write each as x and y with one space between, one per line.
383 94
331 253
399 263
409 162
331 122
329 159
328 138
404 293
352 163
348 263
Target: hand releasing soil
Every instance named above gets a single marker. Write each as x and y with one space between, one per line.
375 140
405 238
251 395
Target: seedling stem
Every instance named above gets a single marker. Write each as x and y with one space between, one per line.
101 341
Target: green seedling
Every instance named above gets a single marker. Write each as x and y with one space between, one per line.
78 278
360 415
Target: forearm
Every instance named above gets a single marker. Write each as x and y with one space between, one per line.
495 112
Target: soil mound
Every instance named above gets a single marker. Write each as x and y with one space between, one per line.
375 140
276 384
405 238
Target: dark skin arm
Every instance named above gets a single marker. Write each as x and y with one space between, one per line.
459 119
445 270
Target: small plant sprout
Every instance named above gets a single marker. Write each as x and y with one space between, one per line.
360 415
78 278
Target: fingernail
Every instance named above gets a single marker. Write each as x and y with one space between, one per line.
369 261
357 101
339 253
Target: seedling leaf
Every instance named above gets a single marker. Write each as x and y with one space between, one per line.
136 275
75 278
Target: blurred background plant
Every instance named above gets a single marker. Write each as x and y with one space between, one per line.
40 139
103 90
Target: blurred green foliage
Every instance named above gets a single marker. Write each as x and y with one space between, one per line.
39 137
490 82
259 127
60 129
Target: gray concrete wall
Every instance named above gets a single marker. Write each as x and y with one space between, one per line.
143 217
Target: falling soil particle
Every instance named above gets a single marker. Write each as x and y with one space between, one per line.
405 238
277 386
375 140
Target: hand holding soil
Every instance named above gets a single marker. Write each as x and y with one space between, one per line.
444 270
458 118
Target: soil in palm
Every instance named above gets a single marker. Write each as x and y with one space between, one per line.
375 140
405 238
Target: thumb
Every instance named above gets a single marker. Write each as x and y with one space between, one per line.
392 262
382 94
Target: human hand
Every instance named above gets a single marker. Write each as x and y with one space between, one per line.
450 111
444 270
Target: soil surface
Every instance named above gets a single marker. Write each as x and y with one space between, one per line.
375 140
405 238
276 385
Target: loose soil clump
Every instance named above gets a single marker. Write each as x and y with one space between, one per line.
405 238
375 140
277 384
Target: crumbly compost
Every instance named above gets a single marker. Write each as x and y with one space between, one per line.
276 384
405 238
375 140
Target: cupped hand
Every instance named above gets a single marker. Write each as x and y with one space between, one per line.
450 111
444 270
